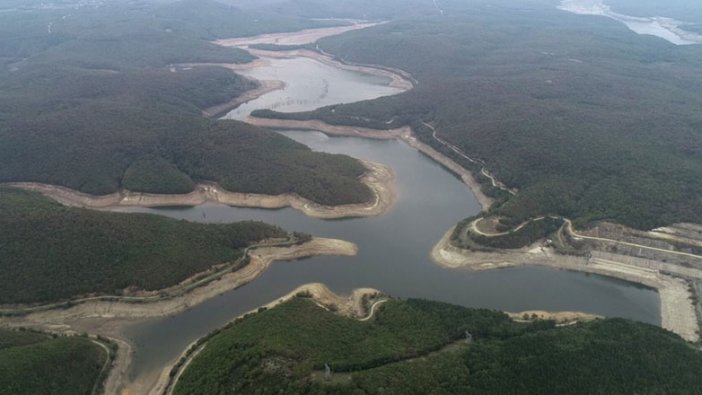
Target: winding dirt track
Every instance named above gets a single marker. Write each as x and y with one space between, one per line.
372 310
105 366
574 234
493 180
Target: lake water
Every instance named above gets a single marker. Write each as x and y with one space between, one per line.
668 29
310 84
393 248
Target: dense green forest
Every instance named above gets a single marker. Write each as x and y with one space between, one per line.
35 363
586 118
418 347
50 252
94 105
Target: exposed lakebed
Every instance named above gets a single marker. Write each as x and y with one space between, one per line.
393 247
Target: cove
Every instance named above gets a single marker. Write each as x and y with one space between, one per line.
393 257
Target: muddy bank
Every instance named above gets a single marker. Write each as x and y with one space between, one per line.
346 305
263 88
398 78
404 134
562 318
677 309
301 37
260 260
109 318
378 178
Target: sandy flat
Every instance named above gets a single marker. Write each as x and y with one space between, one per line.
302 37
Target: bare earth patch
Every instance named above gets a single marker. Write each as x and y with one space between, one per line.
677 310
302 37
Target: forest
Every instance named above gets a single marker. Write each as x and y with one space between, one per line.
417 347
100 104
587 119
51 253
37 363
532 232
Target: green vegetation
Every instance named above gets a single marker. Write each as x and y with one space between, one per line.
50 252
35 363
587 119
418 347
527 235
94 105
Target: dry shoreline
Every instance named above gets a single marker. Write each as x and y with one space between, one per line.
265 86
677 309
404 134
260 259
107 318
379 178
301 37
396 79
349 306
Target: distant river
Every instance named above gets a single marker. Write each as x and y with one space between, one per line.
666 28
394 247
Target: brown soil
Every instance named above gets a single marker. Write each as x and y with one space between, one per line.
265 86
302 37
378 178
677 310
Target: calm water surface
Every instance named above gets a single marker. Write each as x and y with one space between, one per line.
394 247
310 84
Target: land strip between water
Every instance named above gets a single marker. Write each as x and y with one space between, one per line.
379 178
349 306
189 293
404 134
105 315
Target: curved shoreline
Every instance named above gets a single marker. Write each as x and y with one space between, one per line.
379 178
405 134
677 309
260 259
265 86
346 305
83 316
349 306
397 80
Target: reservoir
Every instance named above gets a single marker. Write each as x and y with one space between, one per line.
393 248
